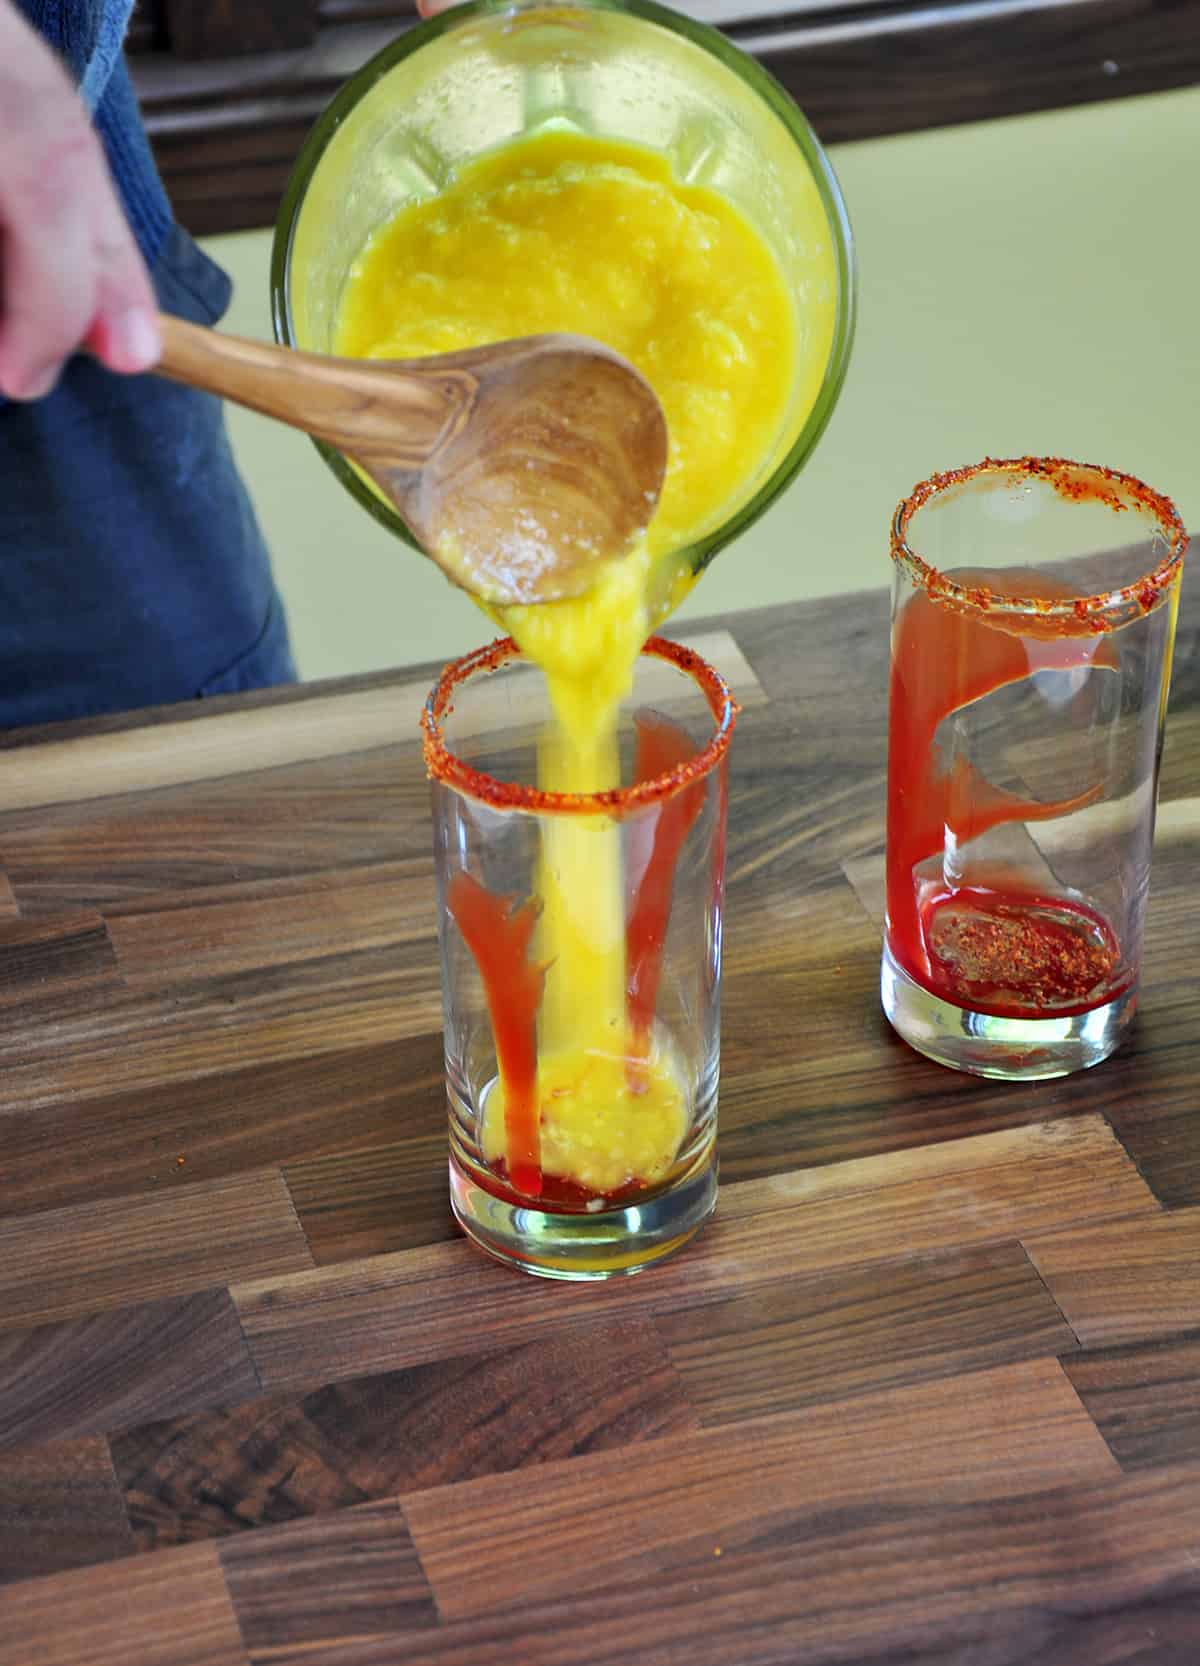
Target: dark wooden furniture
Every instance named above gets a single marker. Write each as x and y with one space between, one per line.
927 1390
216 28
230 90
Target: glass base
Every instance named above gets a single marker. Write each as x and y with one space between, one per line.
605 1244
1015 1049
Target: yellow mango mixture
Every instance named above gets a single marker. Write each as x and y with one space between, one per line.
592 236
596 237
595 1131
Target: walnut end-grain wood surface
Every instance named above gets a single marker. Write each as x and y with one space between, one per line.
927 1390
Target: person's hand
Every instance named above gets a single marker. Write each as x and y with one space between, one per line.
430 8
71 274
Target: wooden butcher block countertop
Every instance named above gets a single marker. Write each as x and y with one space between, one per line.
926 1390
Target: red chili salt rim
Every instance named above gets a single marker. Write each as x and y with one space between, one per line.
1080 481
445 766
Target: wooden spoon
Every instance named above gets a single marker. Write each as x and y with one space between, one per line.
520 468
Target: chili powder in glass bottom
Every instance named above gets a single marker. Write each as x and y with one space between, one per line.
1018 956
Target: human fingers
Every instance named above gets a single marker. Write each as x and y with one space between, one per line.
67 258
124 332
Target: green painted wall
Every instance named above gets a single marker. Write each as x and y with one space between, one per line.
1026 285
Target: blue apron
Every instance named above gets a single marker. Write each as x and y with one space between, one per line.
132 570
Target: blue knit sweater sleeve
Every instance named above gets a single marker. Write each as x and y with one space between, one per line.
88 35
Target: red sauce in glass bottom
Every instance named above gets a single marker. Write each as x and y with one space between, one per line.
1002 949
564 1196
1019 956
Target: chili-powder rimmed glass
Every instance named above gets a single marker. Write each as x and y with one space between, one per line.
1034 608
581 964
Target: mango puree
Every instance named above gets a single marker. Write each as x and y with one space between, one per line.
594 236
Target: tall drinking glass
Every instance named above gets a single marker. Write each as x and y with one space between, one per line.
1034 610
581 964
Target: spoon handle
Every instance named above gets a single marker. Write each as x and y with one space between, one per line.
348 403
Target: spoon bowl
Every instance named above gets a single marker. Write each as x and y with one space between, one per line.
520 468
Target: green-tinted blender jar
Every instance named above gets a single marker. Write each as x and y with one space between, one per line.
486 73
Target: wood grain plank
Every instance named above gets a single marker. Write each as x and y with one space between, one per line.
832 633
208 1126
103 1373
60 1507
277 1459
853 1333
808 932
151 1040
69 1262
1181 752
444 1300
202 885
212 705
251 738
1101 1573
1122 1281
249 833
373 1202
796 804
260 1464
1005 1184
241 741
1144 1398
1177 822
325 1580
1148 1092
167 947
55 966
169 1610
994 1434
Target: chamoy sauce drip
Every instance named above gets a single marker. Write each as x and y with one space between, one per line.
587 235
998 945
498 934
